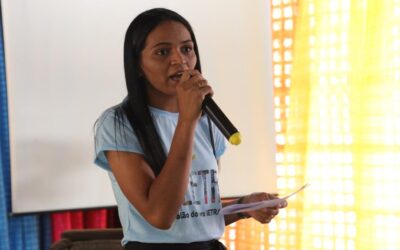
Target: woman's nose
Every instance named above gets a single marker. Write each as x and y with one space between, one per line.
177 57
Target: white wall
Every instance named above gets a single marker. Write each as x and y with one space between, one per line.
64 67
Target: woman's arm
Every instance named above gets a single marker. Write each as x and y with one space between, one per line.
156 198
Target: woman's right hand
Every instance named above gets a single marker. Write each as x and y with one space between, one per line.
191 91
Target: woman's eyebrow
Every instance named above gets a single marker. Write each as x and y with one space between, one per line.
187 41
169 43
161 44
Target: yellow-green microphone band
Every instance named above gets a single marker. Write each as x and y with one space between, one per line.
235 139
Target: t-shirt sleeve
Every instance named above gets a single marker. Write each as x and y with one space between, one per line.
113 134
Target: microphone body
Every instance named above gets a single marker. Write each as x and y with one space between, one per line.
221 121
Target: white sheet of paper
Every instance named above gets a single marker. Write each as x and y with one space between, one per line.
237 208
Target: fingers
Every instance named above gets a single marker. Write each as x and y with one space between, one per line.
266 216
283 204
193 80
268 196
272 196
266 220
188 77
197 84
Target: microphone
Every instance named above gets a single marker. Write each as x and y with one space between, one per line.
221 121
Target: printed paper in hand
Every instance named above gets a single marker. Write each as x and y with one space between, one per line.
238 208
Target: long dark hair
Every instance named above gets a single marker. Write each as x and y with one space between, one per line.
135 106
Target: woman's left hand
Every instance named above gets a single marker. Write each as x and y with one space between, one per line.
264 215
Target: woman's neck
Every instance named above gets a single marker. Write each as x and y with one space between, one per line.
164 102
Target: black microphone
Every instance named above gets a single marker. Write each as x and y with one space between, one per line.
221 121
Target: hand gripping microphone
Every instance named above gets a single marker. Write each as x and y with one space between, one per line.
221 121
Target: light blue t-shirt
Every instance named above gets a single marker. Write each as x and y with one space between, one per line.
199 218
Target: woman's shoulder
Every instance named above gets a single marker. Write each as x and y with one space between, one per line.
111 115
108 113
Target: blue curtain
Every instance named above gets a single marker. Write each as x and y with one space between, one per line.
23 231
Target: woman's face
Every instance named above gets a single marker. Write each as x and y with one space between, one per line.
168 51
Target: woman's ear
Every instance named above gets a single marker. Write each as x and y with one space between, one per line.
140 72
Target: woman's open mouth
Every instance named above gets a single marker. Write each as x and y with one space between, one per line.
177 76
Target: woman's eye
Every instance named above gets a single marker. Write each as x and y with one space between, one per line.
162 52
187 49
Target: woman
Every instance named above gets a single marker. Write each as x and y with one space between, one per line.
160 151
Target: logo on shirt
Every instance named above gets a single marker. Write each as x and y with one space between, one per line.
202 192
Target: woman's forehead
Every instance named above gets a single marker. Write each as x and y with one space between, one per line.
168 32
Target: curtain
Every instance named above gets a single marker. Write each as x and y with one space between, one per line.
343 129
336 67
16 232
95 218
